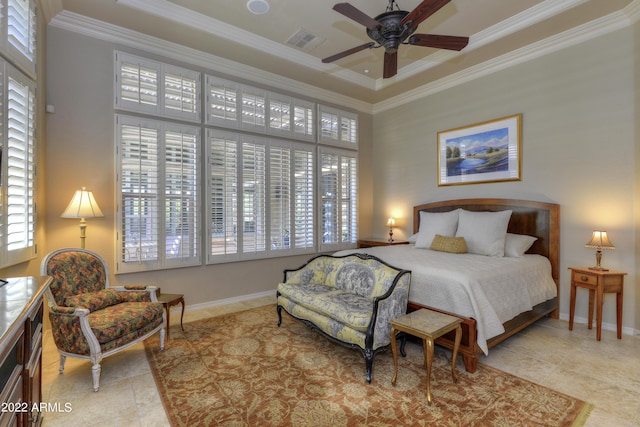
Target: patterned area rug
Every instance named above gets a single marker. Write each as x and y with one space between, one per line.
241 369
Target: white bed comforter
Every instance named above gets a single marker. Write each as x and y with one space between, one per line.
491 290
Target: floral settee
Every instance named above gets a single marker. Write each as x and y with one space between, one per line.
89 319
350 299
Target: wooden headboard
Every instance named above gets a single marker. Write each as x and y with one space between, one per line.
538 219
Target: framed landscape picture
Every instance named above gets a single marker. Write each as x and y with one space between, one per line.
483 152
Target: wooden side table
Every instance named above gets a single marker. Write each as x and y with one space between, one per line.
168 301
598 282
428 325
369 243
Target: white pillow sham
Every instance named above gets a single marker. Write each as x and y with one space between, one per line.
484 232
432 223
516 245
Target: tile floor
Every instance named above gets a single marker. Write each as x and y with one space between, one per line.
605 373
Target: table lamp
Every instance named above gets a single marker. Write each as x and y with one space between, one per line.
83 205
599 241
391 223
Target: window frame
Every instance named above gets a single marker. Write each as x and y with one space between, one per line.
258 180
18 152
236 206
159 242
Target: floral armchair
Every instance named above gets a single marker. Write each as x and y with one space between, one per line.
91 320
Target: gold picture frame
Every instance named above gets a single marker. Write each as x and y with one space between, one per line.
480 153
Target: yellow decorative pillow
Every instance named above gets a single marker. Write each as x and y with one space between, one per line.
454 245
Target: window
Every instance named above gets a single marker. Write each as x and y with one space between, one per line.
232 105
17 167
338 199
338 127
270 184
158 189
261 197
19 33
147 86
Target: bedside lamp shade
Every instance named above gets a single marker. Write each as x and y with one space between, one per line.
599 241
83 205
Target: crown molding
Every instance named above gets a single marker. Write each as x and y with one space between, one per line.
50 8
572 37
193 19
121 36
107 32
511 25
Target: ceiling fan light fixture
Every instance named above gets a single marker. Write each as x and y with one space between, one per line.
258 7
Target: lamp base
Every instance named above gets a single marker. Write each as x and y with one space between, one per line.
598 268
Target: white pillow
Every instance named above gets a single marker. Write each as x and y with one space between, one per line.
516 245
413 238
484 232
432 223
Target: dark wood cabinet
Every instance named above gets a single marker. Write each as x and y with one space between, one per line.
21 315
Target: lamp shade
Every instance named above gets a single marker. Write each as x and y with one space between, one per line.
599 240
391 222
83 205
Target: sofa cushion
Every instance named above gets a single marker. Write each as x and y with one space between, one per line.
347 308
122 319
93 301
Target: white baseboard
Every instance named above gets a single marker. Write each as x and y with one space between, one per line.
242 298
605 326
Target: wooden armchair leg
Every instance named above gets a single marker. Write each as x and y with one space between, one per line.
95 372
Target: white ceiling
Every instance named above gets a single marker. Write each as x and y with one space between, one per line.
500 31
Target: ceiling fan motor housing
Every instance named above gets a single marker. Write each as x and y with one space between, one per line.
391 32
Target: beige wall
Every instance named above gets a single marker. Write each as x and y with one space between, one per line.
636 189
80 152
579 108
581 145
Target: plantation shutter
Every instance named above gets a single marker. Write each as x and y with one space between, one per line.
181 193
21 33
348 199
338 127
181 93
159 174
137 83
338 199
303 118
20 169
253 213
280 197
303 203
222 103
253 109
139 186
223 193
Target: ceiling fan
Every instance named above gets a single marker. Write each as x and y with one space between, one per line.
395 27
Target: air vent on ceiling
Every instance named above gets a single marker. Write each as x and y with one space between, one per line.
304 40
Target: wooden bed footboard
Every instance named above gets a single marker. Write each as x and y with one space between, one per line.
533 218
469 348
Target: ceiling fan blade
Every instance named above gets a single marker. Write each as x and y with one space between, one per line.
390 64
423 11
348 52
353 13
438 41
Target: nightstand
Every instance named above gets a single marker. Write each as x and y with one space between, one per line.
168 301
598 282
369 243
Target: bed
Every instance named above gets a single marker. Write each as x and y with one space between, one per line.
506 277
